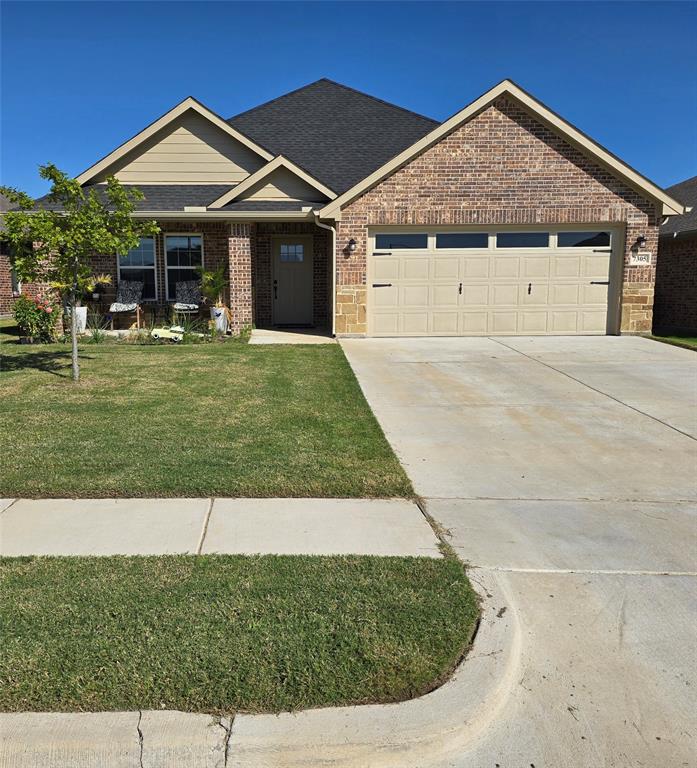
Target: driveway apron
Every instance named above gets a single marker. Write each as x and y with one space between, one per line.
564 468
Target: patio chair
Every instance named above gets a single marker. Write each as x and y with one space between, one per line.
128 297
187 297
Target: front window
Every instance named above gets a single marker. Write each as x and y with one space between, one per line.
183 253
139 265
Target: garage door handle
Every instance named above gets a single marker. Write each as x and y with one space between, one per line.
602 250
382 285
600 282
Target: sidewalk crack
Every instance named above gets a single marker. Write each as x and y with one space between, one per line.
140 738
204 530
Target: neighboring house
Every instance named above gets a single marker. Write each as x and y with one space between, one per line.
675 305
9 286
336 209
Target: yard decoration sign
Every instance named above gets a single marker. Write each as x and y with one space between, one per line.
56 246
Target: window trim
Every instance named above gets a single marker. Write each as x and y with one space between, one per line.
119 268
166 266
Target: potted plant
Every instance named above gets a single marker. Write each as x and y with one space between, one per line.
96 284
86 286
213 284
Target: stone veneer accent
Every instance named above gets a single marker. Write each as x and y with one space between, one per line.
502 167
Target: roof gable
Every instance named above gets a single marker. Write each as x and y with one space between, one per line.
278 180
541 113
335 133
204 129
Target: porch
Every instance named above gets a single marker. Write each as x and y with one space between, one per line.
279 273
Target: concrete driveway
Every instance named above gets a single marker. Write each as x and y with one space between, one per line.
566 468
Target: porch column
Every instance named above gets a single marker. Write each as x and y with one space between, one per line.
240 255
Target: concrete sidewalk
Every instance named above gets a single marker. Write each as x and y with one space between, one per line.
226 526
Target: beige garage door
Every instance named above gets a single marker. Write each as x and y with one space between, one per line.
485 283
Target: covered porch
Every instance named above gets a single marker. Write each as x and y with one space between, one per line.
279 273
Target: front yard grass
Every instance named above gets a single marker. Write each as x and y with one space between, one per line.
228 633
689 342
225 419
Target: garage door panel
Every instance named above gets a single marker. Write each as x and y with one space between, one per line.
475 267
474 322
415 295
504 295
595 267
475 295
503 322
386 297
415 323
416 268
563 322
592 322
565 266
445 322
446 268
563 293
482 291
594 294
533 293
534 267
533 322
445 295
386 324
506 266
385 269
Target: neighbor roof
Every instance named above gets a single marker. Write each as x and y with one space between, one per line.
335 133
686 193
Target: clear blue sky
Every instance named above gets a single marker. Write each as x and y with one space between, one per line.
80 78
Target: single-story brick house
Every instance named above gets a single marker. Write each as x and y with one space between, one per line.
675 305
335 209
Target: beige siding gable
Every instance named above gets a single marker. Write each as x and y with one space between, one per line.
283 184
189 150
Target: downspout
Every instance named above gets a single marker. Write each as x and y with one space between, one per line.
331 229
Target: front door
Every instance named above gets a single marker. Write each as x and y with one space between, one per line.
292 281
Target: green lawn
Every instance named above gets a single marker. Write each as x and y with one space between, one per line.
690 342
228 633
224 419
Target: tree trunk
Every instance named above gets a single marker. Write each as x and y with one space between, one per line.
73 327
73 338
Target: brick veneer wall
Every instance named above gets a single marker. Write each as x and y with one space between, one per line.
6 297
502 167
675 306
262 260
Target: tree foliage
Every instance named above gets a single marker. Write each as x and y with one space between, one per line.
56 244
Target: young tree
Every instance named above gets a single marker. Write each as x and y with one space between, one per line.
56 246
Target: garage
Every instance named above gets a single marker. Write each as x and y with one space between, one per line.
449 282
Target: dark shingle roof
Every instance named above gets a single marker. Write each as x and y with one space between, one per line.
337 134
686 193
162 197
266 205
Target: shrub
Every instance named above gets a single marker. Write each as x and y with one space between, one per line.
36 317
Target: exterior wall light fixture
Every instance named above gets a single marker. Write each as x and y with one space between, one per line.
352 245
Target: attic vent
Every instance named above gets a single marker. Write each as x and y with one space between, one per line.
195 209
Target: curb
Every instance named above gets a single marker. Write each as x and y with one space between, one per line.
410 734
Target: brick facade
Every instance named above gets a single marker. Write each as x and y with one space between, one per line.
502 167
675 306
